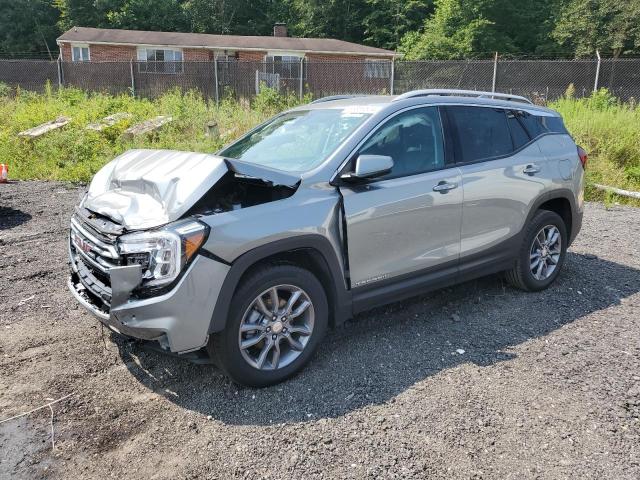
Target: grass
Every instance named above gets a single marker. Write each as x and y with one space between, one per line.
74 153
607 129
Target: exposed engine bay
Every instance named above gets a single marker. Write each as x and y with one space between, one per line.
234 191
143 189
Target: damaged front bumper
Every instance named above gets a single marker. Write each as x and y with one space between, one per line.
178 320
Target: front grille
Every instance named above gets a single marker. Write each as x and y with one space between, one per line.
93 253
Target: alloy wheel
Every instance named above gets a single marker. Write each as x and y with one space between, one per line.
545 252
276 327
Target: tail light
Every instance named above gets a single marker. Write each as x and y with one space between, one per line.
583 157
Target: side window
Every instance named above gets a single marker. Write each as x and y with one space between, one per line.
413 139
554 124
480 133
538 125
518 133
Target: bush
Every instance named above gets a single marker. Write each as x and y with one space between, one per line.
610 132
5 90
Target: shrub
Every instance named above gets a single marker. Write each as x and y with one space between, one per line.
5 90
610 132
74 153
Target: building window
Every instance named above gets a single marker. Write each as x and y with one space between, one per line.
377 69
288 67
160 60
225 64
80 53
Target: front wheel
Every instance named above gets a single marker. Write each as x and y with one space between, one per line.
278 316
542 254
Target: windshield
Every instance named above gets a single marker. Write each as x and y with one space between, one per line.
297 141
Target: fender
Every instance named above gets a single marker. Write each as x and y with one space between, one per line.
317 243
565 194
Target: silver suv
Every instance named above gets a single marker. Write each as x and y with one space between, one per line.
326 210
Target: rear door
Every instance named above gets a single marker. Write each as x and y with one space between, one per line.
503 171
399 224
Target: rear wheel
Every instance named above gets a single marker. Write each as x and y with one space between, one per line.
542 253
278 316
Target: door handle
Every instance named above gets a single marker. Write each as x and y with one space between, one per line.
531 169
444 187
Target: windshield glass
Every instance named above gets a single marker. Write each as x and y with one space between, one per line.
297 141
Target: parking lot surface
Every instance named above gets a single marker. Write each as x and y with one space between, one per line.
475 381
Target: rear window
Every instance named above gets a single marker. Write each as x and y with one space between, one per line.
480 133
518 133
537 125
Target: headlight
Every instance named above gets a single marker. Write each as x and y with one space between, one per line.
163 253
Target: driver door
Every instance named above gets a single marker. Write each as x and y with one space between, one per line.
409 220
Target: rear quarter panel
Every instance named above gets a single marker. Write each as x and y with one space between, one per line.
499 196
562 155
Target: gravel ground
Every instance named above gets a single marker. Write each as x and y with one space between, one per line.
476 381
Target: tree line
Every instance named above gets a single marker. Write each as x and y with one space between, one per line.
421 29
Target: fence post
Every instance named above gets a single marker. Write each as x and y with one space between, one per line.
215 78
301 77
595 85
133 82
393 74
59 64
495 73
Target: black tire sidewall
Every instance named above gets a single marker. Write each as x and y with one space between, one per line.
225 344
542 219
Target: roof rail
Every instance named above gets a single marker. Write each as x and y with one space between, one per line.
334 97
462 93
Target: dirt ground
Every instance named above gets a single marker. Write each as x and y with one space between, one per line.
476 381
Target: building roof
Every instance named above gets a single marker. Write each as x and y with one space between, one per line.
223 42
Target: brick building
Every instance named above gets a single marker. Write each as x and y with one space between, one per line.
279 61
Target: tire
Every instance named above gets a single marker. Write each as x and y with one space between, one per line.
282 332
522 276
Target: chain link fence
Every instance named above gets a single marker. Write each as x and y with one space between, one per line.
29 74
541 80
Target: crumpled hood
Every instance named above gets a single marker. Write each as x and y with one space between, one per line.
142 189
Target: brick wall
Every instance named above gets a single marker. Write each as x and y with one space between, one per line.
197 55
323 57
251 56
103 53
118 53
65 50
326 74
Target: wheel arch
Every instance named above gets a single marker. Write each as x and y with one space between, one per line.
561 202
312 252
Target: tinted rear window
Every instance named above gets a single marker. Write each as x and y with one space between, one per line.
479 133
518 133
539 125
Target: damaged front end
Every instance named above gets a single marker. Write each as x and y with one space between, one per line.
135 240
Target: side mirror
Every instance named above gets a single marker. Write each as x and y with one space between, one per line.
369 166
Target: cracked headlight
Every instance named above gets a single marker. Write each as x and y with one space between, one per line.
163 253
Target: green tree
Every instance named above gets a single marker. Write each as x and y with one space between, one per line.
157 15
239 17
28 26
86 13
462 28
457 29
387 21
328 19
612 26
